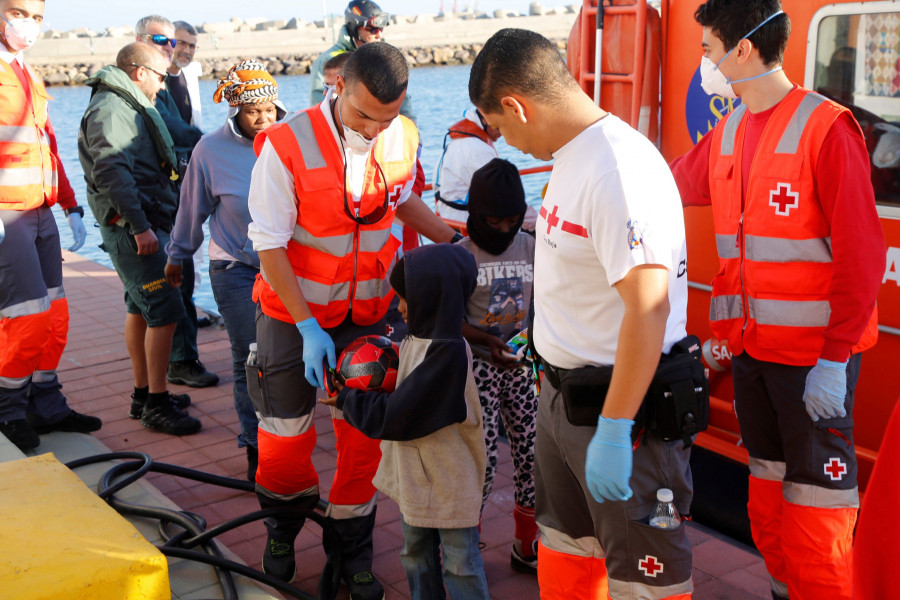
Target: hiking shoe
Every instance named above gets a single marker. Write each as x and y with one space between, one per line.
278 559
252 462
521 563
168 419
179 401
21 433
75 422
191 373
364 586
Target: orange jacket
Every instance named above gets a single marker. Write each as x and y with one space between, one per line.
467 128
771 295
339 264
28 165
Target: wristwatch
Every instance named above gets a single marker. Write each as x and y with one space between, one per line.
456 237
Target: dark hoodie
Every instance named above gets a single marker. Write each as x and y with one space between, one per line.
431 389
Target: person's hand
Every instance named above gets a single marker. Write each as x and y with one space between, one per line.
79 233
500 353
317 345
607 468
826 388
174 274
147 243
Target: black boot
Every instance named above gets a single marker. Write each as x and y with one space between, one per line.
355 546
278 556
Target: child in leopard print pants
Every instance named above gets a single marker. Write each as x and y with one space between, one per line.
497 310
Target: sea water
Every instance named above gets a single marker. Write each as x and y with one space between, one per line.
439 96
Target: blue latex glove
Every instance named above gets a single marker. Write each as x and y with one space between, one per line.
317 345
826 388
78 231
607 468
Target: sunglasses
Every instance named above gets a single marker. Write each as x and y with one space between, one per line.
162 76
374 30
161 40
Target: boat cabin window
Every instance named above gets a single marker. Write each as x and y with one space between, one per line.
857 63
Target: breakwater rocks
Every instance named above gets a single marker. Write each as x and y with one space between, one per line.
283 64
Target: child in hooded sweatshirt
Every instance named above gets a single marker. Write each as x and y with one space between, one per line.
433 453
497 310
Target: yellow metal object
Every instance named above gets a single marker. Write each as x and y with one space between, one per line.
59 540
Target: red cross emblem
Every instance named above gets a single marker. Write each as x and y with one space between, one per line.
650 566
395 195
390 330
552 219
836 469
783 199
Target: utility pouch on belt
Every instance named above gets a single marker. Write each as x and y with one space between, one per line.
676 405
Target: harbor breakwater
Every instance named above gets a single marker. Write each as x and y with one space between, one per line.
290 48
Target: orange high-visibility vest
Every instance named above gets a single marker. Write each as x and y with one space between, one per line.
341 266
771 295
28 171
467 128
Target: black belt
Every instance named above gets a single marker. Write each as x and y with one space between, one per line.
553 374
452 203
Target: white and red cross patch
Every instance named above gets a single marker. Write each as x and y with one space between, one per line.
783 199
836 469
650 566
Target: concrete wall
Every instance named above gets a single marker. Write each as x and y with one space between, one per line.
426 31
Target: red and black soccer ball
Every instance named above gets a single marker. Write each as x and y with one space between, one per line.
369 363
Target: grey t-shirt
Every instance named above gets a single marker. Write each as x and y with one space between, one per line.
502 296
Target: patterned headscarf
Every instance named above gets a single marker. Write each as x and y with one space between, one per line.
248 82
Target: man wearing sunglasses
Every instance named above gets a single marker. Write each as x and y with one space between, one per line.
34 314
129 168
159 33
326 187
365 23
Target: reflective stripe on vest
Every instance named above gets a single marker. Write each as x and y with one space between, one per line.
340 265
23 309
776 259
28 176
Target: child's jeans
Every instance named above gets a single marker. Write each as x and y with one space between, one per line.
463 570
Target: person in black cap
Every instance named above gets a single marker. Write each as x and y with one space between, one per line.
497 310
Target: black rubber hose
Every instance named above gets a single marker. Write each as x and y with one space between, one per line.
193 526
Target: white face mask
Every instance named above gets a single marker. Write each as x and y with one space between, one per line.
356 141
714 82
21 34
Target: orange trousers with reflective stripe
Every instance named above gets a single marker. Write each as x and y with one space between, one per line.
564 576
34 342
289 468
809 548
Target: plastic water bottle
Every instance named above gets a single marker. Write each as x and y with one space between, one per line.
665 515
252 357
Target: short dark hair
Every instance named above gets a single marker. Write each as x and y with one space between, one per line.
338 61
730 20
518 61
381 68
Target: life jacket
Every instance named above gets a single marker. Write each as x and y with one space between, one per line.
340 265
771 295
461 129
28 169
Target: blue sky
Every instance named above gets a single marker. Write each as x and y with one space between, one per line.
100 14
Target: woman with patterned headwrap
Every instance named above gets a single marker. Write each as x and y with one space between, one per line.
216 187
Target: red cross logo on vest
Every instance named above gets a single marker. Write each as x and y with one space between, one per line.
836 469
783 199
650 566
394 196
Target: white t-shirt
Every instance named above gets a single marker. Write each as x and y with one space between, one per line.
611 205
272 201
